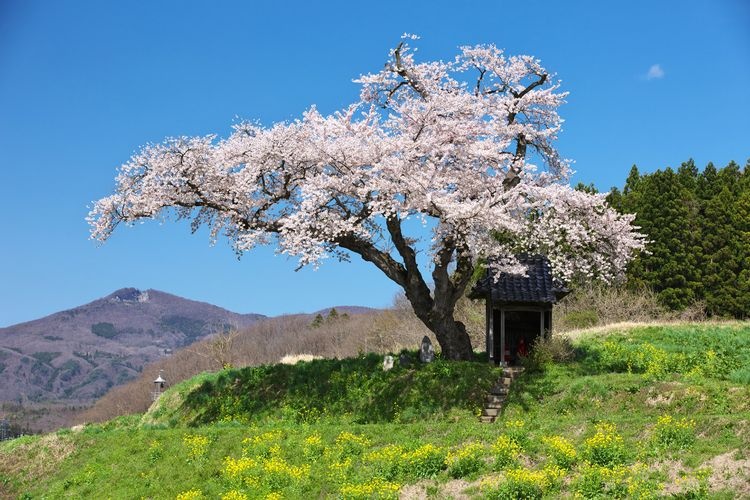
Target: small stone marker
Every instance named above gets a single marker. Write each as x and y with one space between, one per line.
404 360
387 363
426 352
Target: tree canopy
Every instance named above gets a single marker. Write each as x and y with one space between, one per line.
466 146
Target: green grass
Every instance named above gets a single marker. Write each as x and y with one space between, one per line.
635 411
354 390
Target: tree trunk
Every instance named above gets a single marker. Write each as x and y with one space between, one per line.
437 314
453 339
434 308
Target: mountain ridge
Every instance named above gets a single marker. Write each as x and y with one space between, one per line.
77 354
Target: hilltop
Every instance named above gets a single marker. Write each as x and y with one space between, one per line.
624 412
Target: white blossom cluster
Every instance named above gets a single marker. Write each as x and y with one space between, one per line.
453 142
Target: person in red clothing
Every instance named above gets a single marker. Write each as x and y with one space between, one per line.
522 349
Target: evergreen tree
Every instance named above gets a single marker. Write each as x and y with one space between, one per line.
670 268
730 177
687 176
631 183
631 192
586 188
741 214
317 321
333 315
614 198
687 173
720 254
706 188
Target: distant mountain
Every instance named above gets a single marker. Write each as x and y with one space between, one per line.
345 310
77 355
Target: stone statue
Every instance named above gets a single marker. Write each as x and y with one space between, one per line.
426 351
387 363
404 360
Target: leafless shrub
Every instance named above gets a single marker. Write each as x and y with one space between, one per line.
472 314
555 348
548 350
600 305
406 330
222 348
694 312
218 349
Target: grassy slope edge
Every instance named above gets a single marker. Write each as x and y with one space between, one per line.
640 411
355 390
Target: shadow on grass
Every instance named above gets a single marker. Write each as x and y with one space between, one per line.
356 389
539 382
530 388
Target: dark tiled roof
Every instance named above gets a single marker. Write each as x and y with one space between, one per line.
537 287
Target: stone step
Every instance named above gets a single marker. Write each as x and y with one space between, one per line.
499 391
495 399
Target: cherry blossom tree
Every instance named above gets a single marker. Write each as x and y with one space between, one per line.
465 146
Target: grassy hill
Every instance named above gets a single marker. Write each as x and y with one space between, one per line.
632 412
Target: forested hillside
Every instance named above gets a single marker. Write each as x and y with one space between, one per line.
699 226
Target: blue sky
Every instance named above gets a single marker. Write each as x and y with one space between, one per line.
85 84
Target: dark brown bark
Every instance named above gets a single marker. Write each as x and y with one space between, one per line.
434 308
453 339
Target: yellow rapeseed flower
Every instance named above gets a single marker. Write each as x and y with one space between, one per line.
346 438
469 450
527 476
190 495
339 470
279 467
233 495
375 488
561 450
235 468
314 439
197 446
506 451
387 454
421 453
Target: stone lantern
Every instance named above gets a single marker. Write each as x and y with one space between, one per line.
159 384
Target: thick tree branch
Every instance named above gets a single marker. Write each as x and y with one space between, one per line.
416 289
409 79
512 179
530 87
441 277
463 273
393 269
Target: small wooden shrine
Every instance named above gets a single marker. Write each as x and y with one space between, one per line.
518 308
